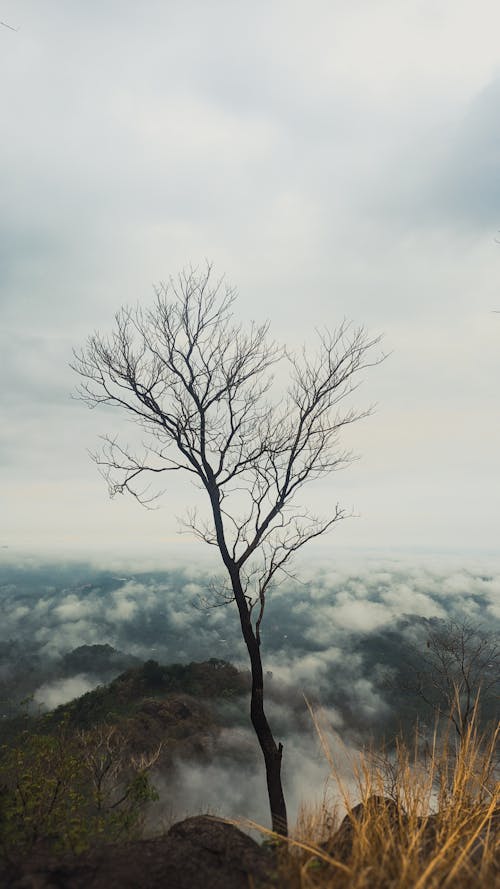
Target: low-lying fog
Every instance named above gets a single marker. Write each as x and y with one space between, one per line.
335 635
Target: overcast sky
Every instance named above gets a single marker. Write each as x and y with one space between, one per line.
336 158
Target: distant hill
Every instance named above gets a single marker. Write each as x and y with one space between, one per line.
180 706
96 660
24 670
151 680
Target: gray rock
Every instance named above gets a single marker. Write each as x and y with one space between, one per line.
199 853
340 844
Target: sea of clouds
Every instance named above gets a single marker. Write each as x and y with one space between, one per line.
332 635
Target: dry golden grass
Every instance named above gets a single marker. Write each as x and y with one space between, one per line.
441 827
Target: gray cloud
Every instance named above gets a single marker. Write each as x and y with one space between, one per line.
450 178
466 186
315 158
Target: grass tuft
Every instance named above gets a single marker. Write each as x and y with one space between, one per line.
424 817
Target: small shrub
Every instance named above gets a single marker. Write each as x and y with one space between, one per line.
67 791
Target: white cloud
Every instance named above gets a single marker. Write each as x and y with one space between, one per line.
56 693
404 599
73 608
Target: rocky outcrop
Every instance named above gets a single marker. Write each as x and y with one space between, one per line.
199 853
393 819
339 845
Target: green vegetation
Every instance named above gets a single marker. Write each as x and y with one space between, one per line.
123 696
78 776
98 660
68 790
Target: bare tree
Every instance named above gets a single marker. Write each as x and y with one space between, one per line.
115 773
456 668
200 388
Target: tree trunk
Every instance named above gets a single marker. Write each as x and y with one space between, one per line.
271 751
